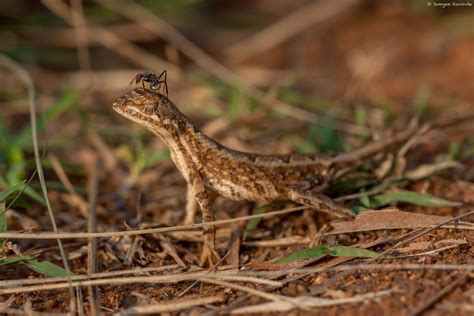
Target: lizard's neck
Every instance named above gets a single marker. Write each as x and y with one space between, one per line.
173 128
177 131
186 142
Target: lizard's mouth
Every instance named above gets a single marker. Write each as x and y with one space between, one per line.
124 104
120 103
139 113
137 106
130 112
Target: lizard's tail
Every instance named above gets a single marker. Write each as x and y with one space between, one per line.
356 157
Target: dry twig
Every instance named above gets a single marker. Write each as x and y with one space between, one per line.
46 235
308 302
172 306
92 228
171 278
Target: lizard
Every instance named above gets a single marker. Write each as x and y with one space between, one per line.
211 169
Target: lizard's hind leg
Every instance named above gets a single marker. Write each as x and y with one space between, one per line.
204 199
307 192
192 205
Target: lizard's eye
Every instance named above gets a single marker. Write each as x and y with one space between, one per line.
150 108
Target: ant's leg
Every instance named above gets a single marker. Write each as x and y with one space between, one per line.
166 87
166 84
130 84
163 74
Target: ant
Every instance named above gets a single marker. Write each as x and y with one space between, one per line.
153 80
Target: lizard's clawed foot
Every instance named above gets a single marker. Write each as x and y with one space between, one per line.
209 256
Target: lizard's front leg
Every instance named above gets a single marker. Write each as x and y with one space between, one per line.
191 206
307 192
204 200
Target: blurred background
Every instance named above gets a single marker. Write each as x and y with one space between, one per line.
380 52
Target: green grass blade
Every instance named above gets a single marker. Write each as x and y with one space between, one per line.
325 137
45 267
343 251
253 223
68 99
302 146
365 201
412 198
309 253
308 102
14 259
5 194
16 170
361 116
158 157
235 102
316 253
3 221
34 195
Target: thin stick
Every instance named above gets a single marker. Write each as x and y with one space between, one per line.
26 78
307 303
79 277
152 279
92 228
268 296
172 306
62 176
47 235
403 266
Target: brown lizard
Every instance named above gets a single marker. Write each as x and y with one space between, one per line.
211 168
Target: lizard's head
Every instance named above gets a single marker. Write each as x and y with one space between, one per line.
149 109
